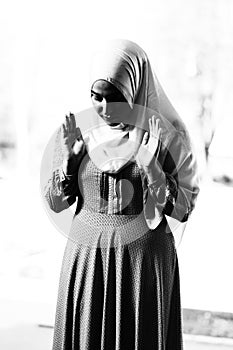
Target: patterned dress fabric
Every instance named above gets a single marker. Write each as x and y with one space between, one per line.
119 283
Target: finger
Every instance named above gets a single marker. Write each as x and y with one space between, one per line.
63 130
67 124
78 147
156 125
79 134
159 132
153 122
150 125
72 122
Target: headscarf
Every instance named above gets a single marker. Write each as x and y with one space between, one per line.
125 65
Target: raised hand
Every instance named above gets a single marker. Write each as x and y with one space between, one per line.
72 144
71 139
150 144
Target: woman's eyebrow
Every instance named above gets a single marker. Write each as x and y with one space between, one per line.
96 93
109 95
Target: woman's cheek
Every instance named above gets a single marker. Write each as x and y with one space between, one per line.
96 107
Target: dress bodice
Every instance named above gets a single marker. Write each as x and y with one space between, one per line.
119 193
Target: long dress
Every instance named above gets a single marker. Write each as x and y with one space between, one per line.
119 282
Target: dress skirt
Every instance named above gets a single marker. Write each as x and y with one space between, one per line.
119 286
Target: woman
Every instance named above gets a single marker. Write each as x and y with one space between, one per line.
129 166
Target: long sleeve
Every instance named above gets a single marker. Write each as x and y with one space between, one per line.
175 189
60 191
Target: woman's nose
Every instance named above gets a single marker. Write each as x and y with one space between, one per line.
106 109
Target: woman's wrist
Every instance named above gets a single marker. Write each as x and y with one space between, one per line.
154 173
70 165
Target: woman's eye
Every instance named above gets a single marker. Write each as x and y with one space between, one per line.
97 98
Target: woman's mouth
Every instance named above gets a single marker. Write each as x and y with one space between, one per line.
110 120
106 117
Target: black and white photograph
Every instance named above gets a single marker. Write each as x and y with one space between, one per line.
116 175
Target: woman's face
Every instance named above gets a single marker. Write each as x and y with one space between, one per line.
109 102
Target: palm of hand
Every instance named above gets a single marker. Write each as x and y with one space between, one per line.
150 144
69 138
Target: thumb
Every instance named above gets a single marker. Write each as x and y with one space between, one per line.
145 138
77 146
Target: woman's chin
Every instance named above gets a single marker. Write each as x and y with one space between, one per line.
113 124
